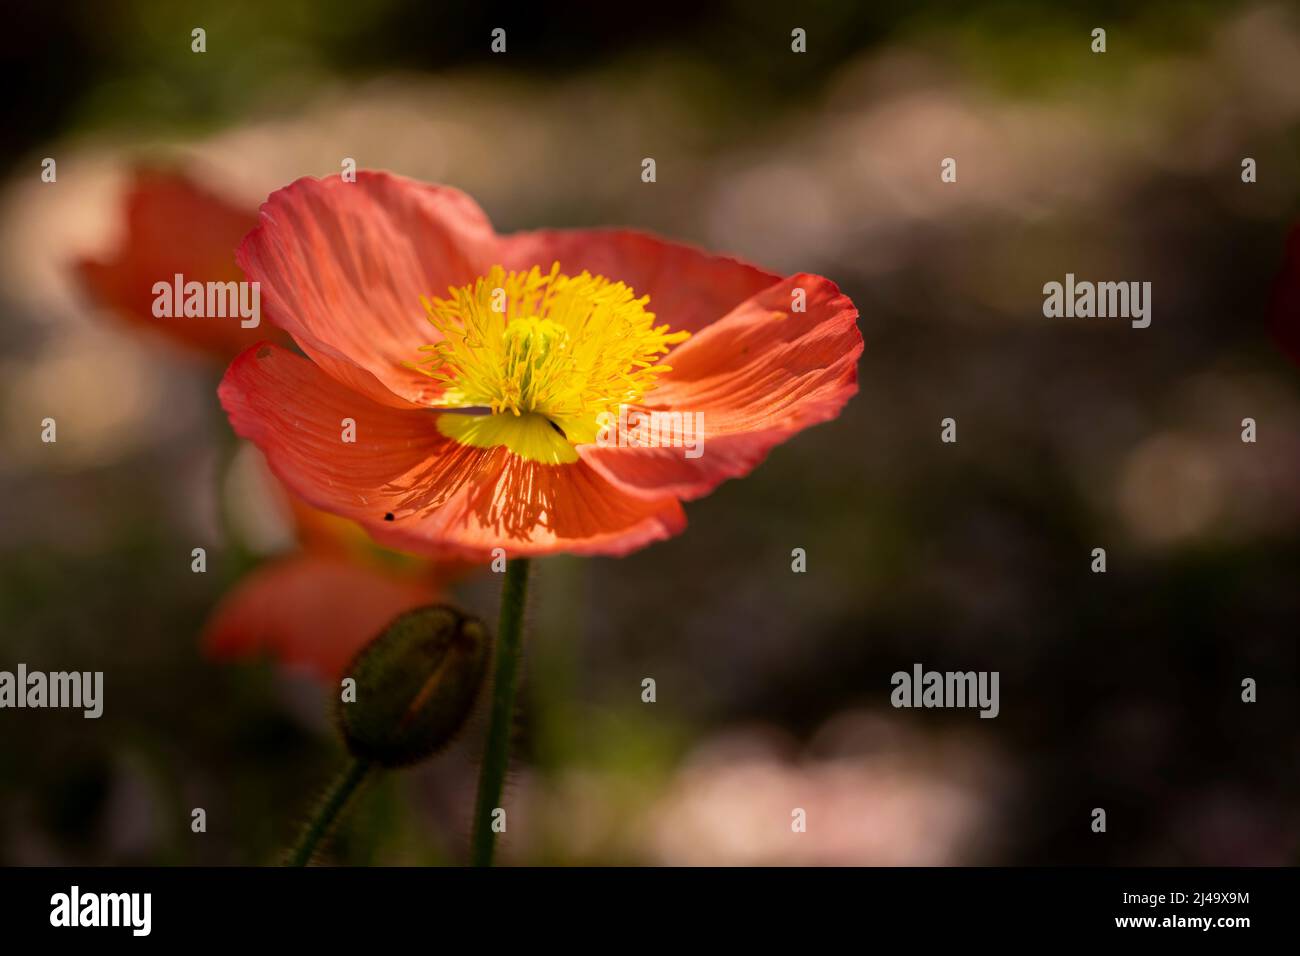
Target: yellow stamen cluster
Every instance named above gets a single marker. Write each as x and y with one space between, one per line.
543 344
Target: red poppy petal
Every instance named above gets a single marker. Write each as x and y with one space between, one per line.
443 497
758 376
310 612
343 266
297 414
173 225
688 288
527 508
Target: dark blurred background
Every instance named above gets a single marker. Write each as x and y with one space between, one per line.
1119 690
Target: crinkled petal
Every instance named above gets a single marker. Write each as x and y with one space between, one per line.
754 378
688 288
416 489
343 266
476 500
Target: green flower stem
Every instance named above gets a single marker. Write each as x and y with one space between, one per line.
336 798
496 753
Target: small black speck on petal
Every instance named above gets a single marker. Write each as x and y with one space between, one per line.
388 516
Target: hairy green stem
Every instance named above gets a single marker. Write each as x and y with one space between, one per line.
336 798
496 753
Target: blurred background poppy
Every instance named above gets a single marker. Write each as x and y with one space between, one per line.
1120 690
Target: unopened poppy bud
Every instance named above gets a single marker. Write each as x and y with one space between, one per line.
415 685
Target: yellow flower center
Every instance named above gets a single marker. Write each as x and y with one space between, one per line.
534 358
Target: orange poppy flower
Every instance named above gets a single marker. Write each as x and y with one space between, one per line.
174 226
512 412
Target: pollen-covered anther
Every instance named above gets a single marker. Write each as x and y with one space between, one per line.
545 354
